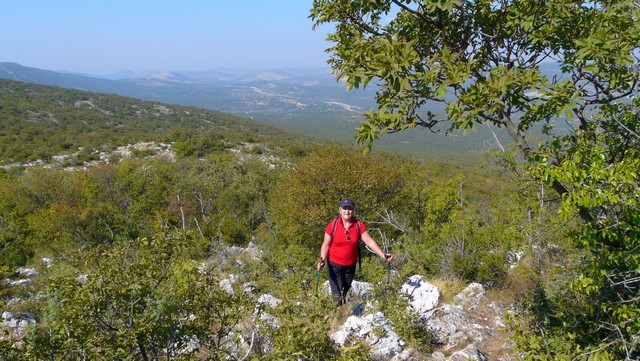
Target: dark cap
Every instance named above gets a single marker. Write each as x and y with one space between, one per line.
348 203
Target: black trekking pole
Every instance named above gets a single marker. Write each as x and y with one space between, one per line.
389 272
388 265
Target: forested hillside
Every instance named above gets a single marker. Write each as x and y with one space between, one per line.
39 122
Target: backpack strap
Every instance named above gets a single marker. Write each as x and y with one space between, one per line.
333 228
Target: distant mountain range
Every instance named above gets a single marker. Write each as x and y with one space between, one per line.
247 93
309 101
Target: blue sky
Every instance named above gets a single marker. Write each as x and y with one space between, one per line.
106 36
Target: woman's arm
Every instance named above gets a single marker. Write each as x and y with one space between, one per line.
324 250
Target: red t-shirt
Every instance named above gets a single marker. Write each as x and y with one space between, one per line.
343 250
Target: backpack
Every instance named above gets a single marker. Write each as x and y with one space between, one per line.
333 231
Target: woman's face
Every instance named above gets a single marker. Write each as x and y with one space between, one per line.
346 212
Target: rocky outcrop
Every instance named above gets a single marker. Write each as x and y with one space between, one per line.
264 303
422 295
25 275
461 330
468 327
377 333
16 324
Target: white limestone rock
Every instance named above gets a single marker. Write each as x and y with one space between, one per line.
376 331
269 300
423 296
470 296
227 284
17 324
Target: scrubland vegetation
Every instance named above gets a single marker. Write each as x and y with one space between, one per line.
138 227
133 244
137 245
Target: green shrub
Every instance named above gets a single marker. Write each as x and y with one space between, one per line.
406 322
304 332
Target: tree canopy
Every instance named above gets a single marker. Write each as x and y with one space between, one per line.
481 61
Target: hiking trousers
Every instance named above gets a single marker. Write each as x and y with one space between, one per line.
340 278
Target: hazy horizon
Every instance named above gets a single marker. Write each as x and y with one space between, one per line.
103 38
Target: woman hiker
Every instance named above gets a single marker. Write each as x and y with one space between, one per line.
340 249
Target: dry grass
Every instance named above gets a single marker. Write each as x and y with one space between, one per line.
449 287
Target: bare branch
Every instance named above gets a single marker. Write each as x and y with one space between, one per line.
253 334
390 219
580 356
495 137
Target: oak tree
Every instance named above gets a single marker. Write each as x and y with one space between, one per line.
564 69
